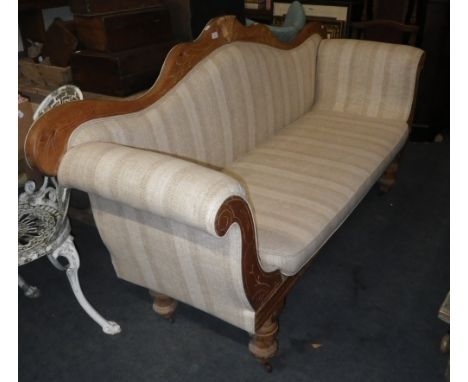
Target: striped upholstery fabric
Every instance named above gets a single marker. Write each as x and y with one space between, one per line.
185 263
156 213
366 78
302 156
232 100
161 184
306 180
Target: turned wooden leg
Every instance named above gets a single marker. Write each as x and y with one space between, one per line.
263 344
387 181
164 305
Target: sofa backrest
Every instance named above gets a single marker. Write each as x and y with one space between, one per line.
367 78
236 97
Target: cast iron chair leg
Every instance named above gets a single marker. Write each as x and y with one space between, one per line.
68 250
28 290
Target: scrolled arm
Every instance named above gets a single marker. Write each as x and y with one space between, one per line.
367 78
150 181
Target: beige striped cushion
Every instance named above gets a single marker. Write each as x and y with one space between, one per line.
366 78
235 98
308 178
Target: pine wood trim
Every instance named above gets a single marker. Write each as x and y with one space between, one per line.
48 137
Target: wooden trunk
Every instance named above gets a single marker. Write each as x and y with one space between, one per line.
101 6
119 74
119 31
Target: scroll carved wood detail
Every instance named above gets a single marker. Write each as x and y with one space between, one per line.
48 137
258 284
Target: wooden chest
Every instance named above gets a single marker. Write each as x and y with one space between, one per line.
118 31
101 6
119 74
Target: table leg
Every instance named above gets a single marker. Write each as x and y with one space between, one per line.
29 290
68 250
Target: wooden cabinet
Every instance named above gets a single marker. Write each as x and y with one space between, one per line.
123 49
119 74
82 7
118 31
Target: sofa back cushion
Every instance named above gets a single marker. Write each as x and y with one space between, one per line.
367 78
233 99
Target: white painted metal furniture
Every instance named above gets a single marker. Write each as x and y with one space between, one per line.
43 226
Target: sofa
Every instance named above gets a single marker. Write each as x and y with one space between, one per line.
220 184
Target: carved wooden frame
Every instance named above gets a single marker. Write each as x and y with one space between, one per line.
48 137
266 291
47 142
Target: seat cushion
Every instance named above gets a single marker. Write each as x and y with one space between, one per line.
306 180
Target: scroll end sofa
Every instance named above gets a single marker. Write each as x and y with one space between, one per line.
219 185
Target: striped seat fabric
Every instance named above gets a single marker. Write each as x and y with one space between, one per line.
304 182
305 132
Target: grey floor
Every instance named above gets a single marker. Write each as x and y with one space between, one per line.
370 299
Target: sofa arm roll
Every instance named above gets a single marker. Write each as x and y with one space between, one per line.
150 181
367 78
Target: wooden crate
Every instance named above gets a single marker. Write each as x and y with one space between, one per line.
45 75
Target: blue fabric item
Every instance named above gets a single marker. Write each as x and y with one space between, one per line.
293 23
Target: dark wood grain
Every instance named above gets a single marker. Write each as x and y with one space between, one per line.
60 43
84 7
119 74
116 32
258 284
385 31
266 291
